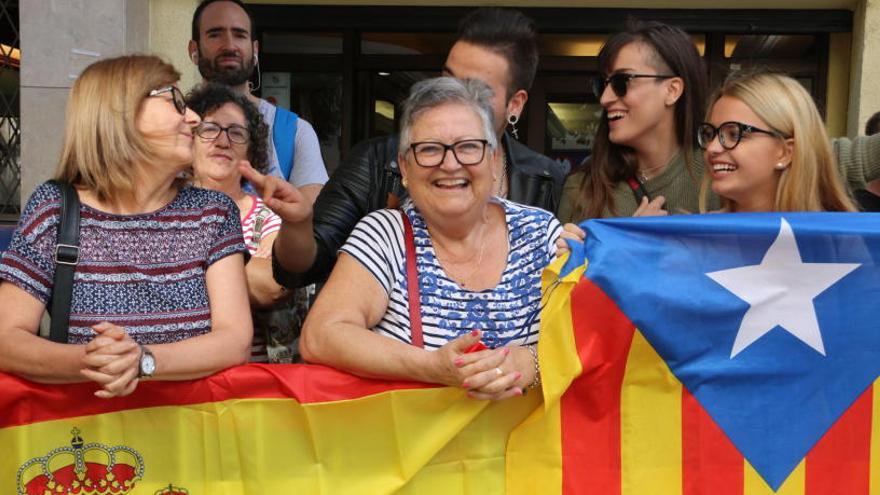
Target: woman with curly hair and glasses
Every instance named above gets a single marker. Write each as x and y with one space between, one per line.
159 287
232 131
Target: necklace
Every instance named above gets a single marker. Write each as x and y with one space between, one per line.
644 177
644 172
501 185
465 281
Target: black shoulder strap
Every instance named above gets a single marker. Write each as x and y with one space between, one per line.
66 258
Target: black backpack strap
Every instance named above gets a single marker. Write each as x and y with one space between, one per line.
66 258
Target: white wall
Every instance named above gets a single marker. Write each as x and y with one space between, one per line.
58 40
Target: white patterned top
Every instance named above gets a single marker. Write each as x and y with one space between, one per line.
508 313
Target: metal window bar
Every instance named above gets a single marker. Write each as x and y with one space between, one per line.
10 115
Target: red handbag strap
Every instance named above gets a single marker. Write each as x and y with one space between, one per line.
412 283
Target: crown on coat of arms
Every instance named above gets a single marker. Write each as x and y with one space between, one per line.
171 490
82 469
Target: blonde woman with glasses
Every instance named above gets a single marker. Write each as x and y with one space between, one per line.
765 149
159 287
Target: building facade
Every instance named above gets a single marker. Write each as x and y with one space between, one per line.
347 67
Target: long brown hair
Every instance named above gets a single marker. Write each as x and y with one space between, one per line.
101 140
812 181
612 163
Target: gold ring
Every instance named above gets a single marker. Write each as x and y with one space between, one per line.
499 372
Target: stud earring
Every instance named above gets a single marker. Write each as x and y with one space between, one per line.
781 166
512 120
404 182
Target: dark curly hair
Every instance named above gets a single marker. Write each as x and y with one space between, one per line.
208 97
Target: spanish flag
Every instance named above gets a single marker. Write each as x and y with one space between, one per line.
251 430
713 354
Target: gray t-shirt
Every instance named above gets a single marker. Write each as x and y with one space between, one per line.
308 165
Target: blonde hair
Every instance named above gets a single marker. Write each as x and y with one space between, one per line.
812 181
101 140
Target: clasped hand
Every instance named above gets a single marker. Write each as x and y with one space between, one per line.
112 359
491 374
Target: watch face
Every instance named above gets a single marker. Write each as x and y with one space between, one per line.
148 364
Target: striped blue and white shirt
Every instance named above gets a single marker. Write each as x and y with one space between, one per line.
508 313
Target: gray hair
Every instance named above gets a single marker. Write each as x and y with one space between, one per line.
432 93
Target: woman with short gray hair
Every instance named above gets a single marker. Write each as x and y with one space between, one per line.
447 289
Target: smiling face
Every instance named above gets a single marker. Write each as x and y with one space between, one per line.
449 189
166 131
747 175
648 103
216 160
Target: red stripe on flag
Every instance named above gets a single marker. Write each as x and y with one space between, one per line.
710 462
840 462
24 402
591 406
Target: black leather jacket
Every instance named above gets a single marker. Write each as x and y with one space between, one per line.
364 181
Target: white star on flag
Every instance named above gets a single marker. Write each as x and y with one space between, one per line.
780 291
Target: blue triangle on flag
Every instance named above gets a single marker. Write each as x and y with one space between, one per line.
779 394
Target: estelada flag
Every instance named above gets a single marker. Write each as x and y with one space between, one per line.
712 354
254 429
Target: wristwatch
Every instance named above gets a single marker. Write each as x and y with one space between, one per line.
147 364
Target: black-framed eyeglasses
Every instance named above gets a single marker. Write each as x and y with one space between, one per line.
466 152
729 133
237 134
620 82
176 97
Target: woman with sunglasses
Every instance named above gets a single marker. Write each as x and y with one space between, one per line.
232 131
653 95
470 277
765 149
159 287
645 157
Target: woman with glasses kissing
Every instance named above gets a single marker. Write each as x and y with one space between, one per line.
232 131
765 149
159 287
447 289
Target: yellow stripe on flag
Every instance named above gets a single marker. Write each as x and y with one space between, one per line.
875 441
534 450
754 484
557 346
650 424
423 441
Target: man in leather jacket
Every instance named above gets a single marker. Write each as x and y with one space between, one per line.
494 45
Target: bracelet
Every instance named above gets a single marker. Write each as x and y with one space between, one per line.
533 350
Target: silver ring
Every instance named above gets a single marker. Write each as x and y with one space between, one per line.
499 372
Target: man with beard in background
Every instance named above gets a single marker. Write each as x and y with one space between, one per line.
223 48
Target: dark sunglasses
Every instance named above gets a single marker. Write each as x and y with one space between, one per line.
176 97
620 82
729 133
